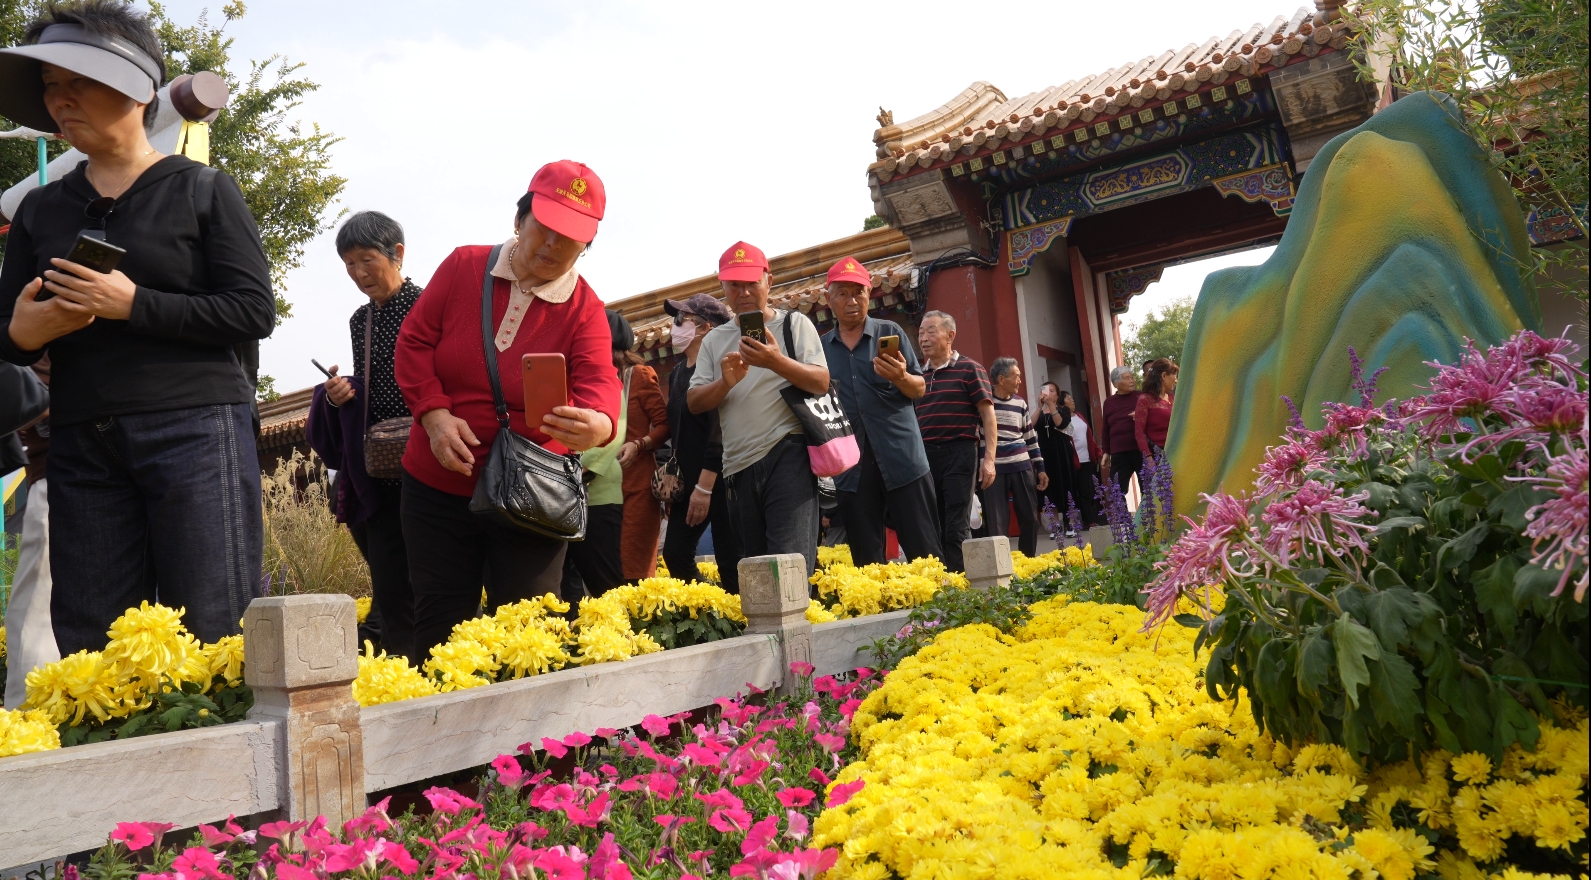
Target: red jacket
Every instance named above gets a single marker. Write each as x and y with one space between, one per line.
442 365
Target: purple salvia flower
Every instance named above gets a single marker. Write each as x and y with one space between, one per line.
1294 420
1074 517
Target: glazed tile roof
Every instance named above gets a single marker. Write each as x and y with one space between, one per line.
983 120
282 420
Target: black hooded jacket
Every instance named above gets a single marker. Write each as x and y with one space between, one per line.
204 293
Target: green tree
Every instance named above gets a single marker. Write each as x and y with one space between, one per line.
283 168
873 221
1519 71
1161 334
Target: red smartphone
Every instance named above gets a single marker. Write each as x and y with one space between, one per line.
546 386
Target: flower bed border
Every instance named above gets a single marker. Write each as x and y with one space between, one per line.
309 750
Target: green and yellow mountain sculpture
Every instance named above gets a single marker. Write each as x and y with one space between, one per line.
1402 243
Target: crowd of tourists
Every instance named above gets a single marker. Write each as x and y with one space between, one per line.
141 463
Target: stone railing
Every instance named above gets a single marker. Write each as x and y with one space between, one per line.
308 749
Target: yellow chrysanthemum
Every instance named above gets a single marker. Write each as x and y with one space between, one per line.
72 687
816 613
148 639
26 731
362 608
225 659
384 679
1472 767
459 664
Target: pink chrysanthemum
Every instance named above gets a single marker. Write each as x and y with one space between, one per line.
1463 393
1315 521
1201 556
1286 466
1561 521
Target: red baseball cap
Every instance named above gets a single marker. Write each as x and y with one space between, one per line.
742 262
570 199
851 269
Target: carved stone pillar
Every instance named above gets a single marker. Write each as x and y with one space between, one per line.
988 561
300 656
773 596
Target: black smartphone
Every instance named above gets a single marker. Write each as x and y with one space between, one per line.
323 370
96 254
751 324
101 256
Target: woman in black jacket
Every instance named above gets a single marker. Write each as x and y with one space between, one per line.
153 478
703 496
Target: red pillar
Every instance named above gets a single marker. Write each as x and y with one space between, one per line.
983 302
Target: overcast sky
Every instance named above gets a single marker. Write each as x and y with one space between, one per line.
708 122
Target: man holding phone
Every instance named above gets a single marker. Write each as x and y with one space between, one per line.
773 494
877 379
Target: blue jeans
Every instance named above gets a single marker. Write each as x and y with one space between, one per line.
774 503
160 506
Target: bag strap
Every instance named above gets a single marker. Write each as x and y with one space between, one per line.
789 338
486 338
203 196
370 309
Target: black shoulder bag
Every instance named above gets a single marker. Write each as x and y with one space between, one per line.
524 486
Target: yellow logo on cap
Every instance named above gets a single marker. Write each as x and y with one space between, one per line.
850 266
740 253
578 186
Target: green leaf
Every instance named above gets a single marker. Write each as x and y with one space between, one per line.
1391 612
1400 522
1381 497
1459 550
1354 644
1515 724
1521 678
1191 621
1509 507
1394 694
1494 593
1314 663
1533 586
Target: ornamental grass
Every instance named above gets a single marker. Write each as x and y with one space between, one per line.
1077 747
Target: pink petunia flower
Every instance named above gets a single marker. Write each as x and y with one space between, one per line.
655 725
606 732
797 827
700 755
290 871
663 785
802 669
842 793
196 861
448 801
729 820
760 835
795 797
723 798
553 747
137 835
577 740
829 741
509 773
818 776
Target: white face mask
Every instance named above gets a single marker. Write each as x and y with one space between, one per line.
683 335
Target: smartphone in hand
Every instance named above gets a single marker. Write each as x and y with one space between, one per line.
752 325
324 371
888 345
546 378
92 253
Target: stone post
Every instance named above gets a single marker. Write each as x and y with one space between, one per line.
1099 539
773 596
988 561
300 656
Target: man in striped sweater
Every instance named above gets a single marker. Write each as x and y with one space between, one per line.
1018 466
955 411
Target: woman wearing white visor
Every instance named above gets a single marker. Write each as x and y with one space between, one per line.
154 488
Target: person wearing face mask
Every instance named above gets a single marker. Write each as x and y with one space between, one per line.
153 482
699 452
540 304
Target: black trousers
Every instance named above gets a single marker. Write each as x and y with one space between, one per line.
1017 490
910 510
453 553
775 503
679 545
953 468
380 541
597 561
1123 465
1083 480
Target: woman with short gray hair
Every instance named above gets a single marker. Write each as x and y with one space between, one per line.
371 246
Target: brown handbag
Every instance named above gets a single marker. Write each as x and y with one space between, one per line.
386 440
666 482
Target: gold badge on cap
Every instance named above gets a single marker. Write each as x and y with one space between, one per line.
850 266
740 253
578 186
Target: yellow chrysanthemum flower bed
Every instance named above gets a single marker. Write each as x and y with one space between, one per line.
1079 748
1024 566
26 730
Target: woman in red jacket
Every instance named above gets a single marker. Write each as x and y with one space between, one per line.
540 305
1152 418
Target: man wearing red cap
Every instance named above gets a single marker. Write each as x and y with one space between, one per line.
891 482
773 495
